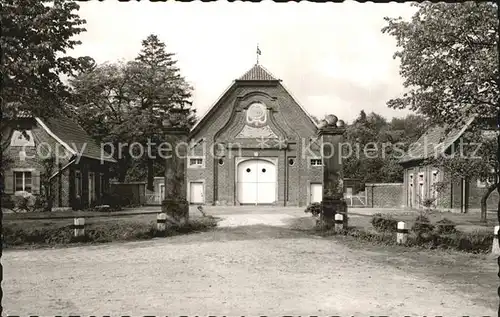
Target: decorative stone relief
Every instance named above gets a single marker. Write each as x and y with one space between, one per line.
249 132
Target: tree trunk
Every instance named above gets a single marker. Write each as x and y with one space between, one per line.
484 199
150 176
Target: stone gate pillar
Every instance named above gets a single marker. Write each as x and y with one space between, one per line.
332 132
175 204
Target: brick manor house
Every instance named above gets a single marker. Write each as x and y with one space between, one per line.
255 145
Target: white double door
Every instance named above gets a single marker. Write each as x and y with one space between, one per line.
256 182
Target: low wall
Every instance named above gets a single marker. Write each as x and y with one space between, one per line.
384 195
134 193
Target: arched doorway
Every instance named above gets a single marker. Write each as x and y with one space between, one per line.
256 182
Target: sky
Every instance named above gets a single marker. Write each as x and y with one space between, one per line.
332 57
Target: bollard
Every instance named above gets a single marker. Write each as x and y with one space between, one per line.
402 233
79 226
161 221
339 222
495 249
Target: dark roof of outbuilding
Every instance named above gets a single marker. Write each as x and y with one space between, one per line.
434 142
73 135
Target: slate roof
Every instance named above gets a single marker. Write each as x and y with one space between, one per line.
257 73
73 135
434 142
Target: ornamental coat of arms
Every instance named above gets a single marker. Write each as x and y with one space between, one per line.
256 115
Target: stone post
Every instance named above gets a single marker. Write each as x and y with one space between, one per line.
332 132
495 248
402 233
175 204
79 227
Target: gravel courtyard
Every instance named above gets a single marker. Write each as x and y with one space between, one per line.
252 265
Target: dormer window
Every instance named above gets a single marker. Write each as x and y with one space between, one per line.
22 138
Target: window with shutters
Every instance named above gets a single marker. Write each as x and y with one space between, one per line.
23 181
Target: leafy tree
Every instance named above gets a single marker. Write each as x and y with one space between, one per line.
35 35
449 60
376 144
102 106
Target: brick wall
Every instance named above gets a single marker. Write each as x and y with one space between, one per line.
285 118
133 192
388 195
32 161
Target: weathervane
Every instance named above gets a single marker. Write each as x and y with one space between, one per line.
258 53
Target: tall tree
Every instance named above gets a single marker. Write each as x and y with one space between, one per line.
126 103
158 86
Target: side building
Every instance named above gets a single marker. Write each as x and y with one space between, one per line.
79 175
421 178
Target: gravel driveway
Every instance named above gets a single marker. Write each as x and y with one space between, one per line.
263 269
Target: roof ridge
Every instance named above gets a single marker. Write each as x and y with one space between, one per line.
258 73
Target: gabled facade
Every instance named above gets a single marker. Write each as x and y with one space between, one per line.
80 172
256 145
420 177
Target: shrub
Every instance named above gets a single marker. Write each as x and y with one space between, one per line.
24 201
473 242
422 226
445 226
314 209
41 203
384 223
428 202
48 233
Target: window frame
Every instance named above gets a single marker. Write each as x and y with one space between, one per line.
23 177
196 165
315 160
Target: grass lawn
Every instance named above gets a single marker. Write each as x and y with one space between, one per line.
58 232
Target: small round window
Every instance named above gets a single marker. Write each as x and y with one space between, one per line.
263 170
221 162
291 161
248 170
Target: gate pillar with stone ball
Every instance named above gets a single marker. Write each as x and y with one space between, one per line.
331 131
174 203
